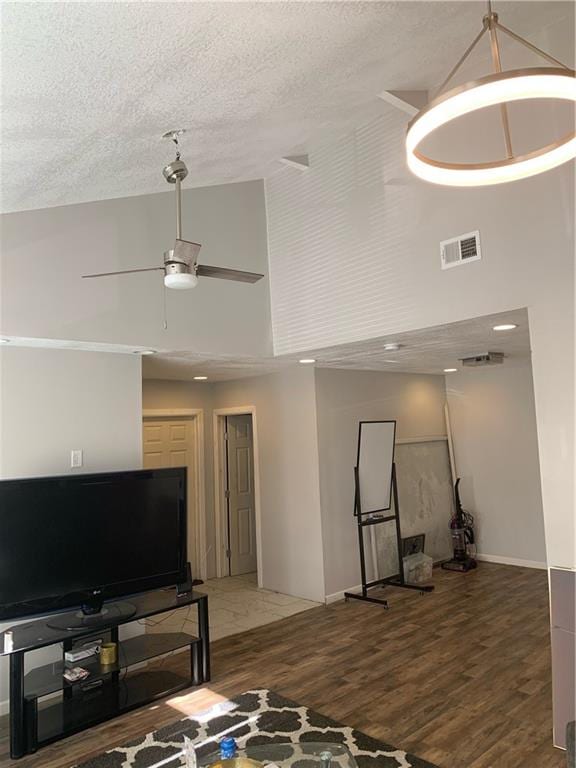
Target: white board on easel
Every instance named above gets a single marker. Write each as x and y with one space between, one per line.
375 460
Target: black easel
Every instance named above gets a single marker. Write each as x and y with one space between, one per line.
377 518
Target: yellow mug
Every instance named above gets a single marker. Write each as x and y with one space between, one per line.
107 654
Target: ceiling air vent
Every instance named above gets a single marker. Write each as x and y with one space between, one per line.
486 358
460 250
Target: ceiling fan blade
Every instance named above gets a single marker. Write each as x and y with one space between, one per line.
228 274
127 272
186 251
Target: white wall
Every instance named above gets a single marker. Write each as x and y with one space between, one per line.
496 451
353 257
45 252
292 559
54 400
167 393
343 398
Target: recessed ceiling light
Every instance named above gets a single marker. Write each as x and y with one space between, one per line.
392 347
200 378
505 327
450 370
4 341
307 360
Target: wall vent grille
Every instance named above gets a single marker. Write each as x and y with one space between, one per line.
460 250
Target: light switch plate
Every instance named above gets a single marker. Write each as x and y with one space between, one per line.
76 458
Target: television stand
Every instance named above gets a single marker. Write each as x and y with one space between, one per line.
107 692
93 621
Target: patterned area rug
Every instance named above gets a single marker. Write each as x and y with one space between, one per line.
255 717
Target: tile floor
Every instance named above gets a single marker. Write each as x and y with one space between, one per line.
235 604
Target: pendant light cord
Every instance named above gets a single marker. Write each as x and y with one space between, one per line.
164 308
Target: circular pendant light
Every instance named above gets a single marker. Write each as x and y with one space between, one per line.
498 88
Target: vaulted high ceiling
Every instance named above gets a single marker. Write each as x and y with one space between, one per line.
88 88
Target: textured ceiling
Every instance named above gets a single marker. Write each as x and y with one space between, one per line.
88 88
425 351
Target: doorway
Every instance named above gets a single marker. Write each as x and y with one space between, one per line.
236 493
239 494
176 441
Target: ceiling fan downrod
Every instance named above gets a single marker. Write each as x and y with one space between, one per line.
180 269
174 173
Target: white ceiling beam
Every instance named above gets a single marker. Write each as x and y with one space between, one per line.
301 162
410 102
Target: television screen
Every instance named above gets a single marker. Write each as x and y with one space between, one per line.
63 538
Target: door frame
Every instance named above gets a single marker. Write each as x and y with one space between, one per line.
197 416
219 416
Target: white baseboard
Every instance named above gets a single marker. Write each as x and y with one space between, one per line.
336 596
511 561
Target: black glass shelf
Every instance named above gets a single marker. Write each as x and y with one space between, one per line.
108 691
38 634
49 678
112 698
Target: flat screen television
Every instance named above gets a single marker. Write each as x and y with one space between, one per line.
78 541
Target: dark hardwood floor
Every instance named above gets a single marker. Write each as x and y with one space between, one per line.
460 677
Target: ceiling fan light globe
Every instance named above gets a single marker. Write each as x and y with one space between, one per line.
180 281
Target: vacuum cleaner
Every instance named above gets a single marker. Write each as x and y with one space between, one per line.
463 539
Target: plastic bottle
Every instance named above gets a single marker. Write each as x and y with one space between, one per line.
227 748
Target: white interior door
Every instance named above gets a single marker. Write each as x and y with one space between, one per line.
241 511
172 443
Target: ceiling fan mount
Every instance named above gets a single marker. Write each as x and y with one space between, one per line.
181 268
175 171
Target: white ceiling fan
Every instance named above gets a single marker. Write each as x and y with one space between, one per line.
181 268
